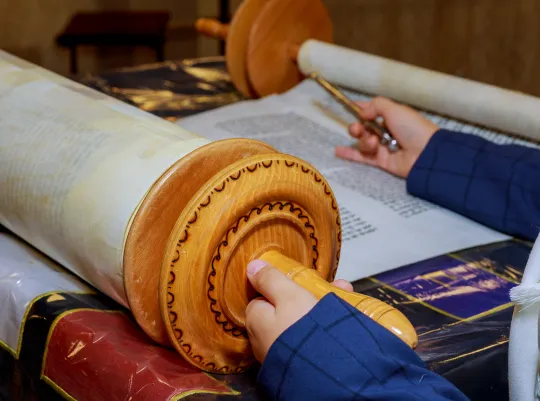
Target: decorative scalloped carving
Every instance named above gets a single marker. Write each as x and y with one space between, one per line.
173 317
294 210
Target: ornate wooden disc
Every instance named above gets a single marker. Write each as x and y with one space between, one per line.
237 43
155 219
262 203
281 27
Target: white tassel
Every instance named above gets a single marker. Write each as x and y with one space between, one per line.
525 294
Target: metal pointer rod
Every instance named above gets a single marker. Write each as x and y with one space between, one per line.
381 132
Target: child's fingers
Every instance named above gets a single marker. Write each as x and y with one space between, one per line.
368 144
261 323
357 130
272 284
348 153
259 312
382 106
362 104
343 284
367 110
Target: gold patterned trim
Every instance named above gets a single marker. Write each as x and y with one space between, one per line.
188 393
17 352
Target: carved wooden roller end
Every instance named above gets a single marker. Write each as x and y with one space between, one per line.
264 38
271 206
212 28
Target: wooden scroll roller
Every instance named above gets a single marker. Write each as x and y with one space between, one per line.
164 221
272 45
274 207
264 39
381 312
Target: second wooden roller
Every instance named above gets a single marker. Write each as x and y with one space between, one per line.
275 207
263 41
274 44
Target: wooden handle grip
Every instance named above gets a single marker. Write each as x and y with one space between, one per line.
384 314
212 28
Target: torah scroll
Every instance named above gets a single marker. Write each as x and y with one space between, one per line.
474 102
74 167
160 219
96 184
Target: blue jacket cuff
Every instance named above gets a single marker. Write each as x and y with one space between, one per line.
418 181
338 353
495 185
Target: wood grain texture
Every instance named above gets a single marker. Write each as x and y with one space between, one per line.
238 42
263 41
490 41
280 28
237 35
154 220
212 28
260 206
263 203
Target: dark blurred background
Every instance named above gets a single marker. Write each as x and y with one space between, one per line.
493 41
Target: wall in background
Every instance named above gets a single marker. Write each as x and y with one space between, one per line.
28 29
493 41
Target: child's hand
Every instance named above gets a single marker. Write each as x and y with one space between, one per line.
284 303
406 125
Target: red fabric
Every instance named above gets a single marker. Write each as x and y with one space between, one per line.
95 355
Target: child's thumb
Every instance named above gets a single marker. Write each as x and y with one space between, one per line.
272 284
